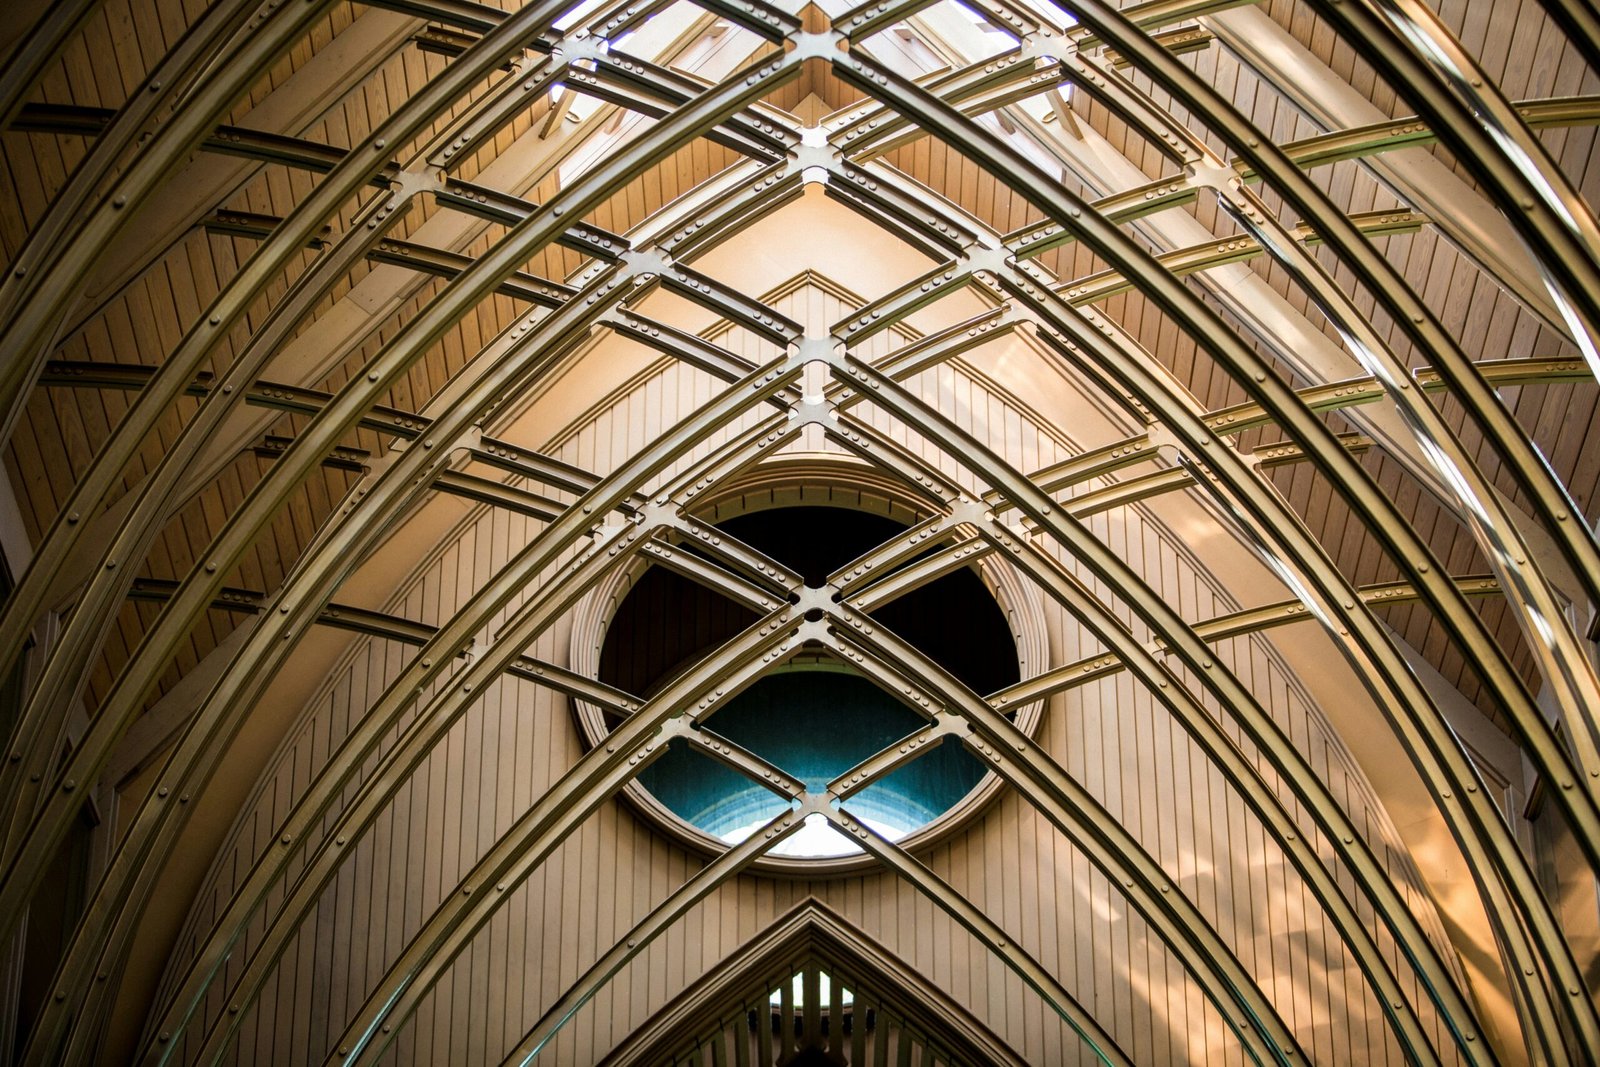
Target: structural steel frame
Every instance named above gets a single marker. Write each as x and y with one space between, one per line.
624 512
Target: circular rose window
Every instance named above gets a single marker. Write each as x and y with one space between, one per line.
815 717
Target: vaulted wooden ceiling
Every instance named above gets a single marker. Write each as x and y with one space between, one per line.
1289 68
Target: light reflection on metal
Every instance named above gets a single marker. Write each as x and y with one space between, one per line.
611 520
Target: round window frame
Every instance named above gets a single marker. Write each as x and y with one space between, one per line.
814 481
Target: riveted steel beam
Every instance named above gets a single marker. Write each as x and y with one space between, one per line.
1046 513
1138 449
1221 628
62 671
1333 396
453 923
463 13
1103 841
637 740
988 933
24 64
1199 321
1555 645
1428 67
335 547
48 272
1549 498
1255 721
357 166
181 365
318 562
640 738
811 931
689 565
545 551
1321 150
536 231
885 587
701 884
